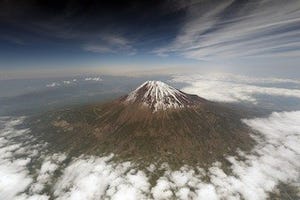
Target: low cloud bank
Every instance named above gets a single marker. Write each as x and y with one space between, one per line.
275 160
14 176
74 81
234 88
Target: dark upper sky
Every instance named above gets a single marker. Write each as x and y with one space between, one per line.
76 33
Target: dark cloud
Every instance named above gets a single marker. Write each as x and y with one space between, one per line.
89 21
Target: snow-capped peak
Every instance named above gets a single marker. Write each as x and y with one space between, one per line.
158 96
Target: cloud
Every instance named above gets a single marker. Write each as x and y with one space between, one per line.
92 177
20 151
12 39
278 159
93 79
110 44
98 49
274 160
14 176
46 172
67 82
235 88
54 84
73 81
254 176
231 29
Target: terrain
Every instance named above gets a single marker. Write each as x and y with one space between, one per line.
155 122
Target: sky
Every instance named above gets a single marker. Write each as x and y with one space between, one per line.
55 38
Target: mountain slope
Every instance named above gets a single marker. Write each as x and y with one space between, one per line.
155 121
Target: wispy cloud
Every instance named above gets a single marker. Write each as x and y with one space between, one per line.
239 29
98 48
12 39
110 44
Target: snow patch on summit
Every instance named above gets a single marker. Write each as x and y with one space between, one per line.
158 96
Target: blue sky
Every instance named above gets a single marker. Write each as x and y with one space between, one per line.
243 36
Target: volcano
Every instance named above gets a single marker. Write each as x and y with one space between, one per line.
153 122
157 95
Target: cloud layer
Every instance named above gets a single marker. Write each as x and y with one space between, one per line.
29 171
235 88
74 81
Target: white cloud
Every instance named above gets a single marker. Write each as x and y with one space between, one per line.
162 189
32 197
251 29
73 81
275 159
54 84
93 79
67 82
252 178
234 88
13 173
46 172
92 177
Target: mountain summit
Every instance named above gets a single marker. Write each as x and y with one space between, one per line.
153 122
160 96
